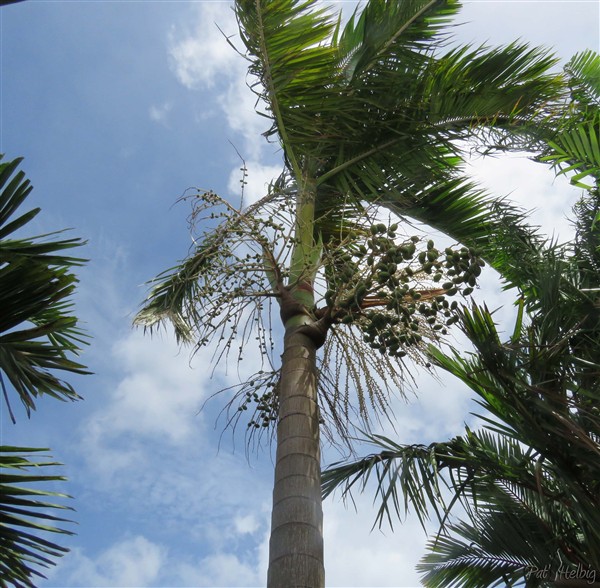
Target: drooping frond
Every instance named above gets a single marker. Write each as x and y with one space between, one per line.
498 229
411 476
537 460
223 288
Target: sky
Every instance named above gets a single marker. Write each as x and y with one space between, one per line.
118 108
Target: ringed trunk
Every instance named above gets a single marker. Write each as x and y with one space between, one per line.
296 545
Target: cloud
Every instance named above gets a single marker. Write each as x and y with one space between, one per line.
138 562
135 561
357 555
221 569
158 394
200 54
246 524
533 187
201 58
239 104
159 113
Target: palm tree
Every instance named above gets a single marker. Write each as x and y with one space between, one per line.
529 479
369 117
38 334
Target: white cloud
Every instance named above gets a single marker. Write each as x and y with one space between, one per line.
532 186
221 569
159 113
246 524
357 555
129 563
239 104
200 54
137 562
158 395
201 58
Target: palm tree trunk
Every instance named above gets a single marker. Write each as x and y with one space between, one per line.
296 546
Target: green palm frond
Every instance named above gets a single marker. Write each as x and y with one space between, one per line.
411 476
513 531
410 27
499 549
587 238
38 331
577 150
538 457
25 515
289 55
370 111
495 89
406 476
584 71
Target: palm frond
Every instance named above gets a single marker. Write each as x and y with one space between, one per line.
412 476
498 549
293 63
405 476
38 331
406 30
502 89
584 70
576 151
25 515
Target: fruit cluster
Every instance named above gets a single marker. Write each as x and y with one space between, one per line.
396 294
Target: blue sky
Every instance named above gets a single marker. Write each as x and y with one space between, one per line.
118 107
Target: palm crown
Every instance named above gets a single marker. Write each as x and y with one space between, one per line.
373 111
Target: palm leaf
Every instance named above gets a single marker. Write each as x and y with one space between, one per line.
293 64
577 150
410 476
410 26
25 515
38 331
491 552
584 70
